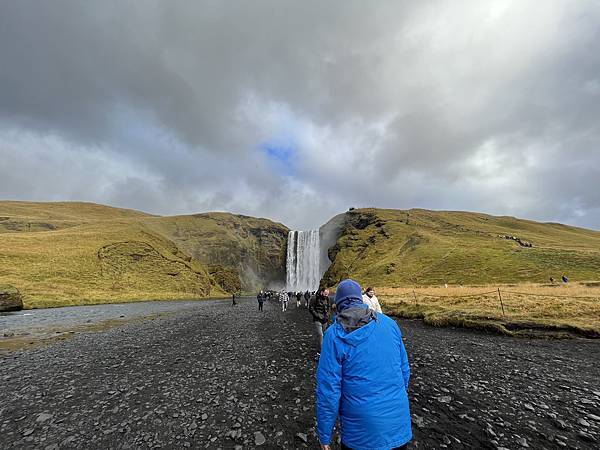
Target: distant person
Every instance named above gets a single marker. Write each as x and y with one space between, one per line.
298 299
362 377
552 280
319 309
284 301
233 303
260 298
306 298
370 299
565 279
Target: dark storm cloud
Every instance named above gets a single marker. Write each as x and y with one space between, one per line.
175 107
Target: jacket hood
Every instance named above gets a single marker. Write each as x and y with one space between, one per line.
354 325
348 295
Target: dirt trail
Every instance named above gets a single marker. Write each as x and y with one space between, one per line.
225 377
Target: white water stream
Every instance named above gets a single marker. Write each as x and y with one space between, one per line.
303 259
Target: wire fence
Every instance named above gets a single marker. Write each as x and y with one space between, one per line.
552 295
500 294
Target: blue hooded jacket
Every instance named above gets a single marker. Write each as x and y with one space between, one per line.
362 377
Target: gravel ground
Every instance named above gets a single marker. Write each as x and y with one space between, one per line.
219 376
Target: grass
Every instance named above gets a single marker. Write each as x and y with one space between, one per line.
379 247
559 310
393 249
245 253
105 255
73 253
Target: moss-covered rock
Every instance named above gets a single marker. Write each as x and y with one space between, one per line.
10 299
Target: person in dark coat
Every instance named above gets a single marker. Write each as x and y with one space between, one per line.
306 298
233 303
319 309
260 298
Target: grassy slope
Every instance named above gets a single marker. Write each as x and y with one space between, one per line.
92 253
73 253
245 252
380 248
41 216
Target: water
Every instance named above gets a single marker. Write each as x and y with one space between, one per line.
73 316
302 262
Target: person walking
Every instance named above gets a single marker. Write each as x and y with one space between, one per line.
284 301
362 377
298 299
260 298
371 300
306 298
233 303
319 309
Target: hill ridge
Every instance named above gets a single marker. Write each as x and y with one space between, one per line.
419 247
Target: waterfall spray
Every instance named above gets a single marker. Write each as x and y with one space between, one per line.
302 262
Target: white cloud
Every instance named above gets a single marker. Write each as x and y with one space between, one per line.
297 110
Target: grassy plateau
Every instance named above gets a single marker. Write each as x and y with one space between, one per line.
410 255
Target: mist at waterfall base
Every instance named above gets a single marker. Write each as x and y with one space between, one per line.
303 261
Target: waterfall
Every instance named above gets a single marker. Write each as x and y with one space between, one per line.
302 262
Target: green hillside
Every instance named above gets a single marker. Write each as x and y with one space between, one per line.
387 247
243 252
43 216
74 253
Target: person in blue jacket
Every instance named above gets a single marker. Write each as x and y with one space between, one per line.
363 377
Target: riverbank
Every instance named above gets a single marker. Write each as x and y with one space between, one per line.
47 303
217 376
39 327
530 310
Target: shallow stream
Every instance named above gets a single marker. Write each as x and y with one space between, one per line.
38 324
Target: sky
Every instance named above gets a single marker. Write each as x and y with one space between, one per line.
297 111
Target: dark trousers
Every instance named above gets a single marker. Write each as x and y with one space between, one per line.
260 306
404 447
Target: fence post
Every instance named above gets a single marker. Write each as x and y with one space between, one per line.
415 296
501 304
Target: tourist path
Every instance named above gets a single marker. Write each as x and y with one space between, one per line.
216 376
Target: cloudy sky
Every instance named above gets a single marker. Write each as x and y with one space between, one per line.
297 110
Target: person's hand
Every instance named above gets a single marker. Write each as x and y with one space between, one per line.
325 447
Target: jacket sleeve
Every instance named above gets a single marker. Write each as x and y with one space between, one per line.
404 361
329 384
377 306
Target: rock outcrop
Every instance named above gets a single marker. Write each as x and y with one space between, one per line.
241 252
10 299
328 236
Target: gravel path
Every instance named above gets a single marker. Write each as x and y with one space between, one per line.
218 376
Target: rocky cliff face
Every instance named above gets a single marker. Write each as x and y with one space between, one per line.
241 252
344 244
328 236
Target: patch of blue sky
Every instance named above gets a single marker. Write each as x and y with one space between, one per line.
282 155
